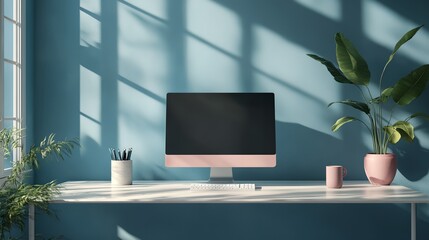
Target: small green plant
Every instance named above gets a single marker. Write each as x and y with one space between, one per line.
353 69
15 192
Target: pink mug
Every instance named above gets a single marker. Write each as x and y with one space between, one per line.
335 175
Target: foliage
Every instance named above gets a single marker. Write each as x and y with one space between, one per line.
15 192
353 70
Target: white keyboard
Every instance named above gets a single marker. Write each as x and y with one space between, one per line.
222 187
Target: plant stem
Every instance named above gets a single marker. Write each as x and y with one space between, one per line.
381 77
373 135
366 125
375 123
386 141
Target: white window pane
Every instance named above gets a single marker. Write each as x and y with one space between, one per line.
8 92
8 8
9 74
9 42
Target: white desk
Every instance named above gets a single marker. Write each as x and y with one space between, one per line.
146 192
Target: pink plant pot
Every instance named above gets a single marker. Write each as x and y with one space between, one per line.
380 169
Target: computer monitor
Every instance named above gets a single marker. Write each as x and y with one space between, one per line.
220 131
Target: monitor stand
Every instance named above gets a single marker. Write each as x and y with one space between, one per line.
221 175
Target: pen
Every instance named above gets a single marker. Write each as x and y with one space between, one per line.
114 154
129 153
124 155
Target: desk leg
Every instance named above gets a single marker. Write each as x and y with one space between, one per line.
31 222
413 221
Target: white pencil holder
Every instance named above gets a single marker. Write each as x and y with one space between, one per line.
122 172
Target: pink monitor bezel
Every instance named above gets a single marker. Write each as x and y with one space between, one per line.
265 160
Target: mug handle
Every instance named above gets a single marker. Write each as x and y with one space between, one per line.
344 171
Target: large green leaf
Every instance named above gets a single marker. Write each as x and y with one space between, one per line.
407 36
394 135
384 96
351 63
411 86
355 104
419 114
405 129
335 72
340 122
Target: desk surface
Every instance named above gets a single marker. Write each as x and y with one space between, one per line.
267 192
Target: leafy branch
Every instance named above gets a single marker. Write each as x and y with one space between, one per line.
353 69
15 192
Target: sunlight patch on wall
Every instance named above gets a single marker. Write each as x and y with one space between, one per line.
209 69
90 26
140 123
156 8
90 131
90 105
387 32
93 6
302 84
142 49
329 8
123 234
215 24
90 93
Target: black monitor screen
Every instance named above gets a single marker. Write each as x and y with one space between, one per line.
220 123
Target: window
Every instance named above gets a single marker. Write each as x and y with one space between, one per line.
11 72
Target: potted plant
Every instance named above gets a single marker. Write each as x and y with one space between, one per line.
380 165
15 192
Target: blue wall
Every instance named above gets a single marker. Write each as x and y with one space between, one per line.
102 69
29 73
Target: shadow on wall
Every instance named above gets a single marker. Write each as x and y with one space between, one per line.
124 74
302 155
413 162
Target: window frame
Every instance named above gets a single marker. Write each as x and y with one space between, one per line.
19 76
